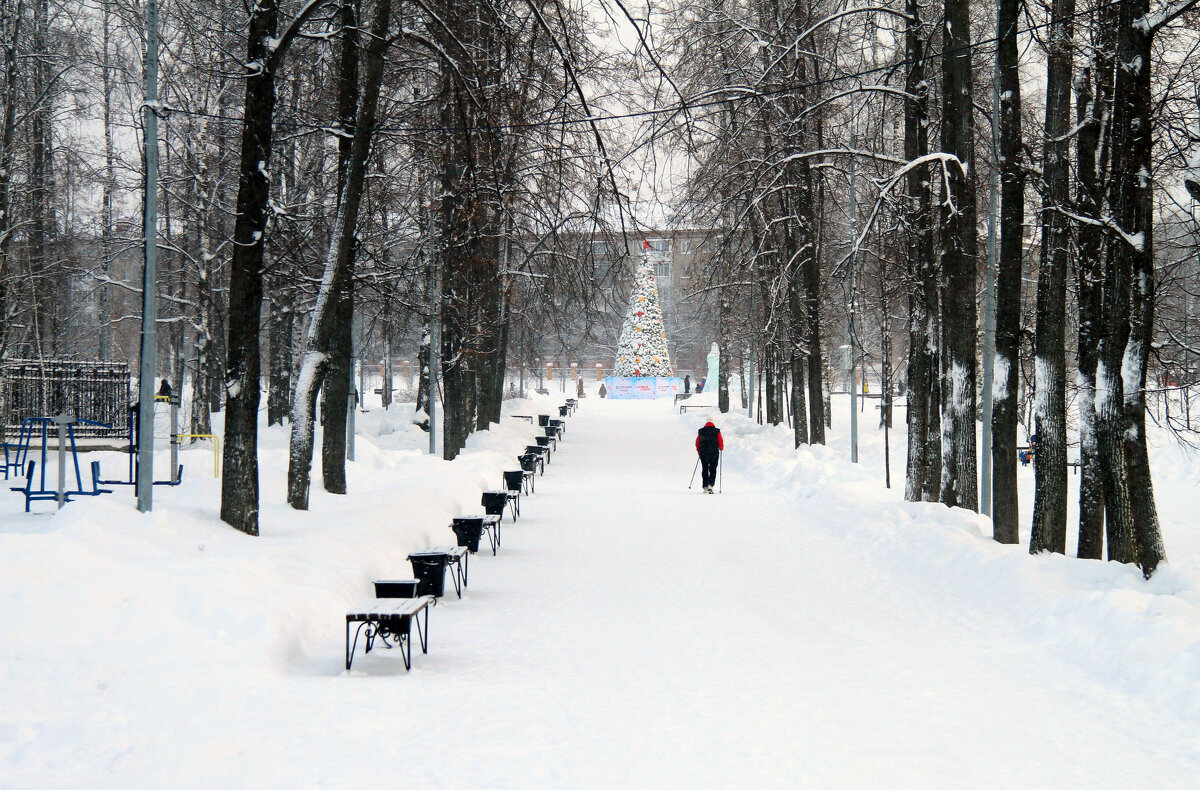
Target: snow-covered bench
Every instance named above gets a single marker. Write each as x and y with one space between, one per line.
429 566
683 407
529 463
470 529
389 620
494 501
457 558
541 452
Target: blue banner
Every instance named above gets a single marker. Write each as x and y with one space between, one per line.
642 387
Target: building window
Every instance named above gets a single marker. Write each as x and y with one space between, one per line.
685 272
662 270
685 246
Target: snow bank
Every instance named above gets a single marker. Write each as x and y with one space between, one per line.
100 600
1142 637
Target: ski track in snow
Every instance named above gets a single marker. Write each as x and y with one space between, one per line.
630 634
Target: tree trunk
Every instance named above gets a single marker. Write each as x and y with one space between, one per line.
10 32
724 358
338 269
239 478
1005 516
1131 201
1050 451
336 380
1093 103
922 470
959 483
279 391
818 394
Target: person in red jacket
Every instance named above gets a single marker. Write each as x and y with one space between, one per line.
709 445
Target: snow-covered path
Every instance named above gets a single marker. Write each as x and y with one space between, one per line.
637 634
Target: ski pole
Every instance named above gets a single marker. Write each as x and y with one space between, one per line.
694 468
721 485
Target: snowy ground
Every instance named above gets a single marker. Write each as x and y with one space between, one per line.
806 628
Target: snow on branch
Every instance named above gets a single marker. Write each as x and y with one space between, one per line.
944 159
1151 23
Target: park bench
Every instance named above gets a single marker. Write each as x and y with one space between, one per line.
390 621
429 566
494 503
453 558
572 405
683 407
682 396
529 464
515 481
540 452
527 417
469 530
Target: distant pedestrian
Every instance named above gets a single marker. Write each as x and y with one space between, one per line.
687 385
700 386
709 446
603 390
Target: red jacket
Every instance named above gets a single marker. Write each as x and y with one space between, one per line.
720 439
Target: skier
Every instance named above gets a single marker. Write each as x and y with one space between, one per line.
709 445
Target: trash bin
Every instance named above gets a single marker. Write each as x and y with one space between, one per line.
430 570
543 441
562 411
551 431
468 530
543 419
406 588
512 480
529 462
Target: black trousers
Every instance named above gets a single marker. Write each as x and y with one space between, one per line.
708 470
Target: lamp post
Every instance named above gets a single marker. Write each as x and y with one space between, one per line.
149 345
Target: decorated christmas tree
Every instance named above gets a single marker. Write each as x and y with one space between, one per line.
642 347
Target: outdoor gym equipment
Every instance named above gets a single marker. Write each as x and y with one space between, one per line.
132 449
65 425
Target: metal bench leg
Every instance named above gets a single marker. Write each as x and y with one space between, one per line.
456 577
352 647
423 633
406 647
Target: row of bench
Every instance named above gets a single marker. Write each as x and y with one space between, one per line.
401 603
